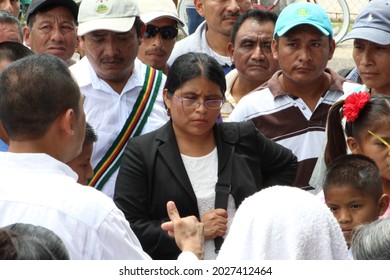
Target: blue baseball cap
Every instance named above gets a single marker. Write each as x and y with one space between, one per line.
372 23
303 13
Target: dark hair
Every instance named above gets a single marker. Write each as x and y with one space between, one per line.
374 114
138 24
192 65
252 14
48 238
9 18
14 246
13 51
372 241
34 91
90 135
357 171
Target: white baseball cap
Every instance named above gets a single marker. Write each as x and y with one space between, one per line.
112 15
155 9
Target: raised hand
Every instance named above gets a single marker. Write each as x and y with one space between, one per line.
188 231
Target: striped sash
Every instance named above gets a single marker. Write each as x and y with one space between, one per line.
133 127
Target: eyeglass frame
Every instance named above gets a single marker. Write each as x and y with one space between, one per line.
198 103
160 30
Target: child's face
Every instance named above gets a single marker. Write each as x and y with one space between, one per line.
351 208
375 149
82 165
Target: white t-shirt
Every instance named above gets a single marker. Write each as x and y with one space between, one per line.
203 175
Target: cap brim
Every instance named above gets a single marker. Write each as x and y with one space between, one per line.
289 27
370 34
111 24
153 16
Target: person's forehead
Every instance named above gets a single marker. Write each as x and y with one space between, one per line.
250 23
261 28
353 191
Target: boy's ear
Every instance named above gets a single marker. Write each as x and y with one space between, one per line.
353 145
67 122
383 204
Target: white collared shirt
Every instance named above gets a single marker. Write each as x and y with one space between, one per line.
107 111
197 42
40 190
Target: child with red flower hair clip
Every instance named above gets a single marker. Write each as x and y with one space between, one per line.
366 131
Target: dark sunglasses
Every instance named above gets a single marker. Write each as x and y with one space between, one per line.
167 32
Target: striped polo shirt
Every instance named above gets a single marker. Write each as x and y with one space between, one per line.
287 120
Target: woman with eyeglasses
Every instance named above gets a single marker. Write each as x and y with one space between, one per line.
208 168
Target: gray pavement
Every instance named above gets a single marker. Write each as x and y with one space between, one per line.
342 57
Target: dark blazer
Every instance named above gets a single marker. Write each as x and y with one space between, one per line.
152 173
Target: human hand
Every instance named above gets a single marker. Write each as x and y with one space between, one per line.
215 223
188 231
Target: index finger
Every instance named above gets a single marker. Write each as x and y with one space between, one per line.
173 213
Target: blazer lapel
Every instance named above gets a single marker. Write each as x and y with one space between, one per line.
171 155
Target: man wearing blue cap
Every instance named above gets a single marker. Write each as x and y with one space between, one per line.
292 108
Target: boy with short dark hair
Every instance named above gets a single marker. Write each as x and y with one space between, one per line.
82 164
353 192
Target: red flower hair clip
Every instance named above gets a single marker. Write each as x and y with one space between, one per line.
354 103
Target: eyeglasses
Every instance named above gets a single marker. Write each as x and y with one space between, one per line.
167 32
189 103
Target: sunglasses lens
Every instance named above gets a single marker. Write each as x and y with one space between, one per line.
151 31
167 32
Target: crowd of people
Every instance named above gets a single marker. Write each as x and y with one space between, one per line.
121 141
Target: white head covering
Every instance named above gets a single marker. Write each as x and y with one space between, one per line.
283 223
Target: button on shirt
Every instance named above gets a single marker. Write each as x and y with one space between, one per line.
107 111
39 190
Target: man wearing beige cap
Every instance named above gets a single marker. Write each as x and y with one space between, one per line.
123 96
161 19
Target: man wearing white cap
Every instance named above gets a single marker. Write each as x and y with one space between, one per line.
123 95
161 19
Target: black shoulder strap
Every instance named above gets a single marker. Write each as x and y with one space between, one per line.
222 191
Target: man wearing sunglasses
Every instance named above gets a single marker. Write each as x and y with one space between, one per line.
123 96
161 19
